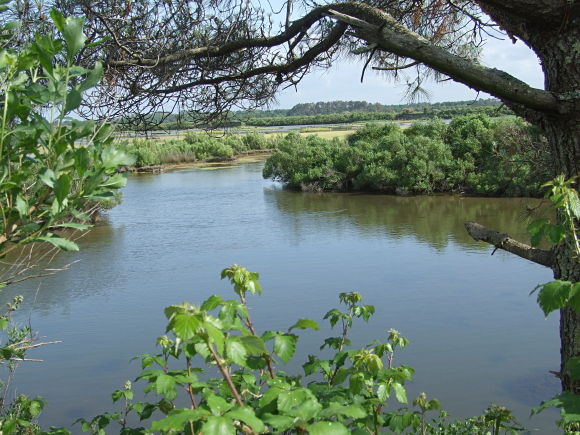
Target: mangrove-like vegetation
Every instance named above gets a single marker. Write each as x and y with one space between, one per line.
474 154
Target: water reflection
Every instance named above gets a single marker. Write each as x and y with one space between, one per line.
434 220
467 314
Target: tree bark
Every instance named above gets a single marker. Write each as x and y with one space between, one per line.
560 59
553 32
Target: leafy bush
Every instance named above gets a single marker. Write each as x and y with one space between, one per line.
54 172
194 147
246 391
474 154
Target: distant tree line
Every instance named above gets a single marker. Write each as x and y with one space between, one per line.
333 112
405 114
331 107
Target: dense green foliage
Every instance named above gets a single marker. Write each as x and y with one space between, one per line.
561 294
195 147
334 107
49 179
473 154
54 171
349 117
348 390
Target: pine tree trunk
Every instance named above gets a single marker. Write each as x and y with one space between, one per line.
555 41
564 137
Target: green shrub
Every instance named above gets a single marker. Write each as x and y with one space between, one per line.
358 390
474 154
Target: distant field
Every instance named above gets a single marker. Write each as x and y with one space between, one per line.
341 134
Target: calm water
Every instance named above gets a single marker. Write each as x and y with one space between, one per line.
476 336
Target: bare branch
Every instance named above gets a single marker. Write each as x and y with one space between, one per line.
278 70
506 243
297 27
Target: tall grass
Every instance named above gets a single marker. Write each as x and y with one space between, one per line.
195 147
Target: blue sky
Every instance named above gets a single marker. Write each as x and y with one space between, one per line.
342 81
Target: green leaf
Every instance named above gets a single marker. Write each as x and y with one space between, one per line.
165 384
21 206
211 303
305 324
62 187
536 230
356 383
116 181
278 422
4 322
350 411
48 177
73 100
247 415
185 325
400 392
574 301
92 78
254 345
59 242
35 407
328 428
72 31
112 158
554 295
236 351
177 419
299 403
218 426
82 160
383 392
555 233
216 336
218 405
58 19
285 346
567 402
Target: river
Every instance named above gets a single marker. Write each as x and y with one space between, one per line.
477 337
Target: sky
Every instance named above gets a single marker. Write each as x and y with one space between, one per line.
342 81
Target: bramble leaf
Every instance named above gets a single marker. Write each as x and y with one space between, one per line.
218 426
305 324
236 351
328 428
554 295
285 346
247 415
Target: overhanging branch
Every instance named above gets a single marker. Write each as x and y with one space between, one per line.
297 63
297 28
506 243
377 27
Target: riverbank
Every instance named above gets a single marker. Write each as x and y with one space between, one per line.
249 157
206 150
474 155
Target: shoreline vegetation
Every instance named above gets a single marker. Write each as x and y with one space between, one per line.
472 154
